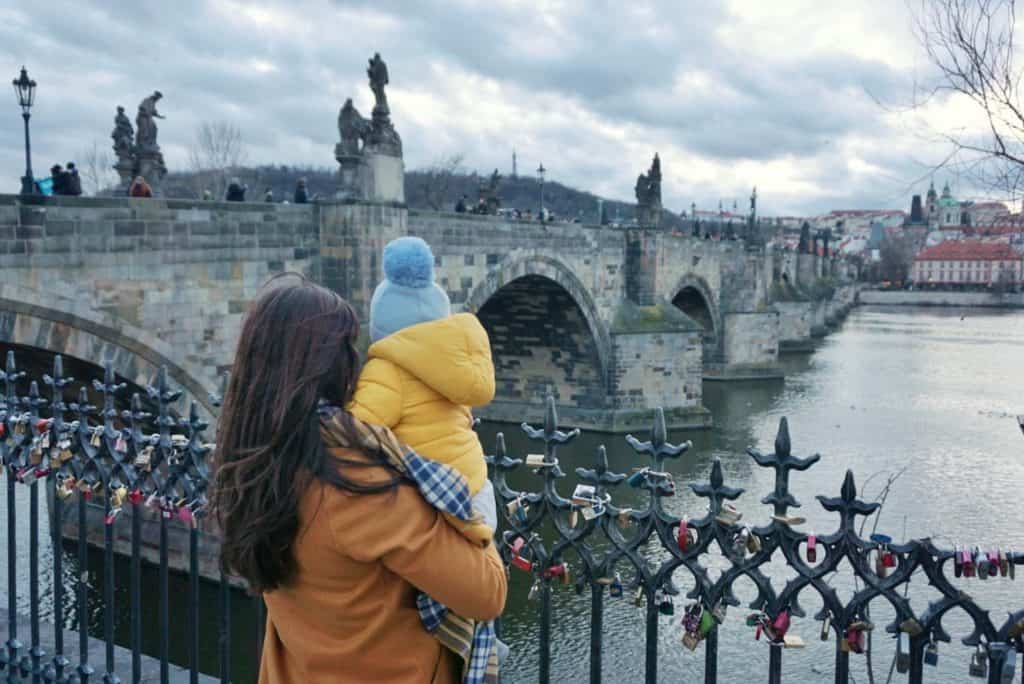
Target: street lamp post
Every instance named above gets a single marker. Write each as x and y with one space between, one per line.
25 89
540 175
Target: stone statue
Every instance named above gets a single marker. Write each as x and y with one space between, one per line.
123 134
492 186
641 189
378 73
352 128
648 186
145 122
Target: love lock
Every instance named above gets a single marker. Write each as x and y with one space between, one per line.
981 564
979 663
931 653
728 515
683 534
812 548
903 653
855 638
740 542
967 563
665 605
559 571
518 561
615 588
518 509
884 558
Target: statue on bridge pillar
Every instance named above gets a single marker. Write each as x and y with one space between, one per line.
149 161
383 137
370 151
137 150
124 137
648 196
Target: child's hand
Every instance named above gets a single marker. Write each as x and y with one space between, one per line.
484 504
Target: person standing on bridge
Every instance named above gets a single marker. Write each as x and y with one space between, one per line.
320 513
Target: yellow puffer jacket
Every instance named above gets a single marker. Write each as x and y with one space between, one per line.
421 383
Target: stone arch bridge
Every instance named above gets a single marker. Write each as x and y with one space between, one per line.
612 321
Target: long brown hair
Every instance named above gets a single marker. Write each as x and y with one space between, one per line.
296 349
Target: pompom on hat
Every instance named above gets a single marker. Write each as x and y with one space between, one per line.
408 296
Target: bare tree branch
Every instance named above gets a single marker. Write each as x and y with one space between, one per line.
971 44
437 180
96 168
215 155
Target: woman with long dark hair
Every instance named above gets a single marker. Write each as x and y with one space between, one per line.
335 538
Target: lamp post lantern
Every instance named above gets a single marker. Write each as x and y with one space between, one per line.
25 89
540 176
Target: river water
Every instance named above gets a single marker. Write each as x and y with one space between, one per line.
932 390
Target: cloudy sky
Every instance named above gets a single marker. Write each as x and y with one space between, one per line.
805 100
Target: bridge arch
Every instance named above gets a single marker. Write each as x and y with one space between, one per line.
62 325
546 333
694 297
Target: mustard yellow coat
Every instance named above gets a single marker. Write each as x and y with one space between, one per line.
422 381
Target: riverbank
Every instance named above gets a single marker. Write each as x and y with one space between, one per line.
940 298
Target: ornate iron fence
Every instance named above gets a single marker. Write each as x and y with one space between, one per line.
605 538
100 459
97 458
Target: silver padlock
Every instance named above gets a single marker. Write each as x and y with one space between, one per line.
903 653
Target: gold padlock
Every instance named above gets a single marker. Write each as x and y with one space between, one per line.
97 437
753 543
117 496
691 640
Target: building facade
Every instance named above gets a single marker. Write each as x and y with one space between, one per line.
968 264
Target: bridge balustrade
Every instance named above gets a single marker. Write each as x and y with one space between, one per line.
88 458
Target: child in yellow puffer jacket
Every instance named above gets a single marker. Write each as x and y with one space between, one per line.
426 368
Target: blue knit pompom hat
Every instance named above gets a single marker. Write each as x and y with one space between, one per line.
408 294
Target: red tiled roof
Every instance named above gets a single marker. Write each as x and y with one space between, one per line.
968 250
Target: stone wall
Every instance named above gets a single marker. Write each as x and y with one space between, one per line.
177 274
794 325
938 298
658 369
751 347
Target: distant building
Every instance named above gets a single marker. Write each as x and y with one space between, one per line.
967 263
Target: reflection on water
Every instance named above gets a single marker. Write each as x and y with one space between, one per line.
918 388
932 390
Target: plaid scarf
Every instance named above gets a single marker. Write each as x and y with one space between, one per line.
445 489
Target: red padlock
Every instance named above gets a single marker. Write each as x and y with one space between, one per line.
967 560
135 496
517 560
780 625
3 429
42 425
812 548
684 534
855 640
888 559
757 634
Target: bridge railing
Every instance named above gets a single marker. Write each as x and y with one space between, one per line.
87 459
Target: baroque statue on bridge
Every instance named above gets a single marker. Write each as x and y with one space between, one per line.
123 134
378 73
145 122
648 195
353 129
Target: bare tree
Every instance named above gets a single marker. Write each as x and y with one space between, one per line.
437 180
215 155
971 44
896 255
96 169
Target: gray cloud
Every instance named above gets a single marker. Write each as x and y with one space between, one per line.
591 90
